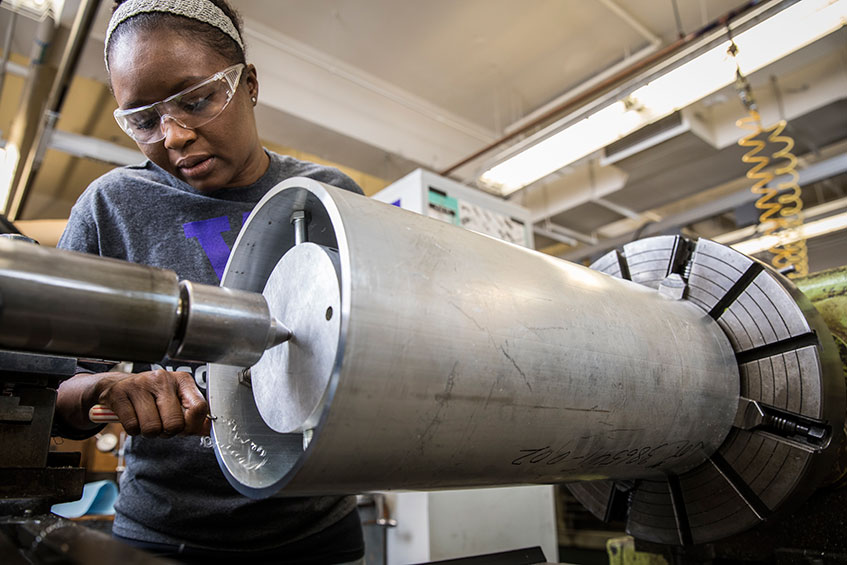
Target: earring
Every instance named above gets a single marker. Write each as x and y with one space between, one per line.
253 99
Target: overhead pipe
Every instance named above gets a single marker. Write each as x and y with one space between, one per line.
39 76
67 67
7 47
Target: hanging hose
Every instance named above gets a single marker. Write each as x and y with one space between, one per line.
758 172
790 253
782 205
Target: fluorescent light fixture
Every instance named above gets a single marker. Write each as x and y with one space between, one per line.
37 9
786 237
570 144
766 42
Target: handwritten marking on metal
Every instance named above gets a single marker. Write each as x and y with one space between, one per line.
651 457
244 451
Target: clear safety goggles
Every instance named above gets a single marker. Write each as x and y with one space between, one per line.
192 108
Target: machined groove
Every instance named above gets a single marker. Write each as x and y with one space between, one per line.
783 346
617 507
623 266
679 255
594 495
802 444
683 527
735 291
750 498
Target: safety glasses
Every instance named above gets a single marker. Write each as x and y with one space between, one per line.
192 108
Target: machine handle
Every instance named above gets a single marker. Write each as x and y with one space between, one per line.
100 414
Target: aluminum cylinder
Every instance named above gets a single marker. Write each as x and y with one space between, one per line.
460 360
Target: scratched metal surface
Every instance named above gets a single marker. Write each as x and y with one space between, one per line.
290 380
466 361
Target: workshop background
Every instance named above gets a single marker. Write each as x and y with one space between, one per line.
637 101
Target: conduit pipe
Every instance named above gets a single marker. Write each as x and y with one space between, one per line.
70 58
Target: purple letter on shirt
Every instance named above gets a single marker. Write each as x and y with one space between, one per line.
208 233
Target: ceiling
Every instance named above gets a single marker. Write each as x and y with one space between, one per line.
387 86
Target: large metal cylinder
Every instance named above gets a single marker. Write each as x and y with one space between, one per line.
456 360
54 301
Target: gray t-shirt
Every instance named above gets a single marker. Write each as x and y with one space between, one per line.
172 490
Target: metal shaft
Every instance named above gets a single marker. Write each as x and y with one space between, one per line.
54 301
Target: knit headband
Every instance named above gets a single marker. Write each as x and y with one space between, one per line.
200 10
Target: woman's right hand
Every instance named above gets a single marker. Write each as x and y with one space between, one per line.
155 403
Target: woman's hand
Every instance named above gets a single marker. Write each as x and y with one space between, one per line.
154 403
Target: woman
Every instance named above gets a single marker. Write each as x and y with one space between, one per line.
186 96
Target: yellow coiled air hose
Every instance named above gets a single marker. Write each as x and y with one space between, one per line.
781 205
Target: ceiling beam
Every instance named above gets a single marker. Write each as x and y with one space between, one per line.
819 82
93 148
827 208
581 184
632 21
302 81
562 234
814 85
813 173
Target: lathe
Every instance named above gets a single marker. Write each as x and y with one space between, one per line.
353 346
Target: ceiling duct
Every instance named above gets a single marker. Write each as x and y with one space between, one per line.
645 138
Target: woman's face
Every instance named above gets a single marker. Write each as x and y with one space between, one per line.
224 153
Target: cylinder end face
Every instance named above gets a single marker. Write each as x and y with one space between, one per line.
290 380
255 459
